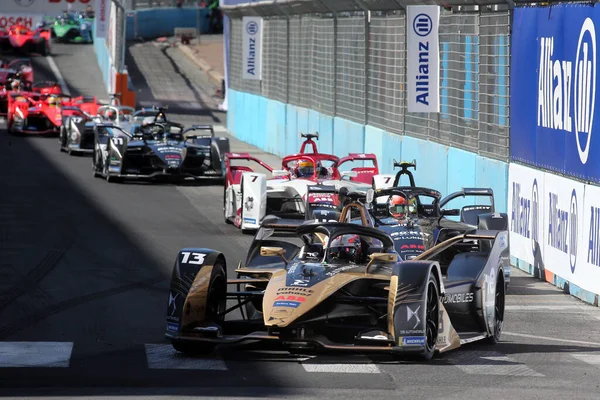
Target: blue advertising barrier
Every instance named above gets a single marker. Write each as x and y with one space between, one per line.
554 121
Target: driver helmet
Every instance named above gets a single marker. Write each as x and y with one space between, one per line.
397 208
15 85
53 101
304 168
110 114
346 248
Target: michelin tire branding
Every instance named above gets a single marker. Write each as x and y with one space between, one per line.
576 84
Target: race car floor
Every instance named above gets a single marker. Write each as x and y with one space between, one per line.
85 268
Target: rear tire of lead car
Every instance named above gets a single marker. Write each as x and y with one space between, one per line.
216 303
499 303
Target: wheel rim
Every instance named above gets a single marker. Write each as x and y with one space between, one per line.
499 306
432 317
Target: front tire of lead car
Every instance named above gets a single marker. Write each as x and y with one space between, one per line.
216 302
432 321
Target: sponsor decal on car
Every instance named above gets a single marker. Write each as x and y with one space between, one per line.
413 340
288 304
172 327
458 298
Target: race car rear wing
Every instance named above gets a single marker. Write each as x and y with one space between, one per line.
363 174
207 128
233 173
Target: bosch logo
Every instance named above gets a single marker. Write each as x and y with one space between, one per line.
24 3
573 231
576 85
535 215
585 93
422 25
252 28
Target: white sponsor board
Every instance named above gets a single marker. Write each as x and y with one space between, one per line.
563 223
30 20
525 216
102 16
587 268
252 28
423 58
563 217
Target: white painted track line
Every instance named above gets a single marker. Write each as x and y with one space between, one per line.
551 339
58 75
35 354
342 368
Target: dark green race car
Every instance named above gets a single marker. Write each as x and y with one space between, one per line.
71 27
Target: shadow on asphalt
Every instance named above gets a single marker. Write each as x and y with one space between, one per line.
101 289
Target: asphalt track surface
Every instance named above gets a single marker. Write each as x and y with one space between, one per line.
85 267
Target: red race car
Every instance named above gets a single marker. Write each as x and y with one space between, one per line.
22 38
34 113
12 74
306 187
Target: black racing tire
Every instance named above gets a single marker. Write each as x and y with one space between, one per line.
499 304
216 303
432 318
227 220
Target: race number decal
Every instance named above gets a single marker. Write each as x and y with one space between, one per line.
118 141
254 178
192 258
387 180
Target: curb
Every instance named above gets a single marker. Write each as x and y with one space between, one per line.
212 74
555 280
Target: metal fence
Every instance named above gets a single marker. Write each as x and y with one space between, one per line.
348 59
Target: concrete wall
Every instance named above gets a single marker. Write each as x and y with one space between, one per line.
275 127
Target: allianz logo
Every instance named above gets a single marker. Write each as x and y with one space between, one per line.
565 82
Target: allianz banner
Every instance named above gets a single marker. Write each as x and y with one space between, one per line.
553 89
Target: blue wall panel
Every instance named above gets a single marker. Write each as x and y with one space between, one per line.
260 131
494 174
103 59
392 150
348 137
303 125
432 159
232 111
326 134
275 122
461 173
291 131
373 143
314 122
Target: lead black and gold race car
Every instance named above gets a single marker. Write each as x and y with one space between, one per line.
341 286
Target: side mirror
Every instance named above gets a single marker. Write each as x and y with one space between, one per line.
266 251
381 257
351 174
452 212
280 172
370 196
